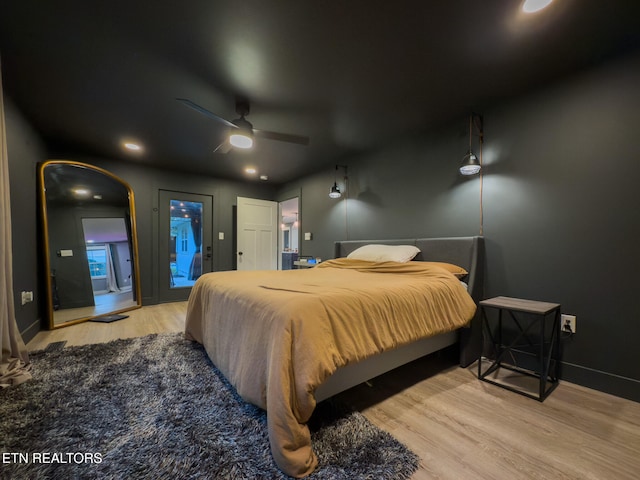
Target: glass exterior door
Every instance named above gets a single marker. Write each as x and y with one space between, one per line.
185 242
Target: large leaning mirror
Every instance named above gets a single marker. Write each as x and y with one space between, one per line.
89 242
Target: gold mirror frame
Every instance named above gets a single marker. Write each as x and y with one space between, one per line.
106 207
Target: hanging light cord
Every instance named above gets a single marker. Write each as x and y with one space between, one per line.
481 206
481 135
346 203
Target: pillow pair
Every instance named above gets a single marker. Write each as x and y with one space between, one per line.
401 254
385 253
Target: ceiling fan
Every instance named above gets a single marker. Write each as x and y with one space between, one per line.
242 131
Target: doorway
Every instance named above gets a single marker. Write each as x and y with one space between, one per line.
185 245
289 233
106 265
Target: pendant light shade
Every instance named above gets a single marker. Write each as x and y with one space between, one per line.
335 191
470 163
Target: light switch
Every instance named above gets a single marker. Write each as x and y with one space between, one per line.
66 253
220 235
308 236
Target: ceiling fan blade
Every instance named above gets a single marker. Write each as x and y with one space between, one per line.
224 147
204 111
282 137
244 109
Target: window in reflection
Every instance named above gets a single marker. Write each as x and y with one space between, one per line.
97 257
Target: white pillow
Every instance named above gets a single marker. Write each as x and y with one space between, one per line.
385 253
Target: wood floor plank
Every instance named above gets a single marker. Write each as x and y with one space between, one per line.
166 317
460 427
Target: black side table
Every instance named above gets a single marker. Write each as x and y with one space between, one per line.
545 347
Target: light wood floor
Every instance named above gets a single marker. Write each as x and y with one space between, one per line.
460 427
108 302
166 317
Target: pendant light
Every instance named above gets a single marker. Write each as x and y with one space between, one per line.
470 163
335 192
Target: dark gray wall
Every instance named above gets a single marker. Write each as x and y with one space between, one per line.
560 209
146 183
73 284
25 149
560 202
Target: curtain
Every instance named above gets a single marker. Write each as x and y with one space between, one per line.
112 282
14 365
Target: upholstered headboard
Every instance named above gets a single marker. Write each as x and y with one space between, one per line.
466 252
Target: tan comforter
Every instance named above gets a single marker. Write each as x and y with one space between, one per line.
277 335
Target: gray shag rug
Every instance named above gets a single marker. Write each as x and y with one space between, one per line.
156 407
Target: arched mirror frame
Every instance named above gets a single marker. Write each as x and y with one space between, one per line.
46 247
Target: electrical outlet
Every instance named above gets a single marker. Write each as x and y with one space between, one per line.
27 297
568 323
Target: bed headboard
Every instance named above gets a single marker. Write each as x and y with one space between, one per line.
466 252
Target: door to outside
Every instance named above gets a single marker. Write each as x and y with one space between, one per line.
257 234
185 246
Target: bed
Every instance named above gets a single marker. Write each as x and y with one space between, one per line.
288 339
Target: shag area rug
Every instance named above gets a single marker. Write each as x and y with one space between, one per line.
155 407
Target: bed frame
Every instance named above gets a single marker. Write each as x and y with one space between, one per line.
467 252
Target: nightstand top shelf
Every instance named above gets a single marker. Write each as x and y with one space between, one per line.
520 305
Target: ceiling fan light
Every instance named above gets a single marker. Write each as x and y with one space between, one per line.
532 6
243 137
335 191
241 140
470 164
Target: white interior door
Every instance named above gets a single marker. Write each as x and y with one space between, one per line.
257 234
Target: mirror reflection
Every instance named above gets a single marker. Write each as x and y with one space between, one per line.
289 233
90 242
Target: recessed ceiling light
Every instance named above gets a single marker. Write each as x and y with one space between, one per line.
532 6
132 146
264 177
250 170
